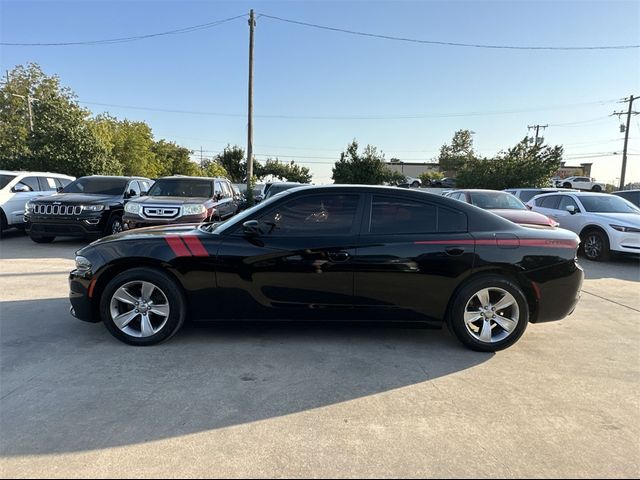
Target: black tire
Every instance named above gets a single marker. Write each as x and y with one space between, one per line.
3 223
41 238
467 295
597 188
415 184
566 185
595 246
167 286
114 225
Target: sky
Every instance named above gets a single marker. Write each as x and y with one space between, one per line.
316 90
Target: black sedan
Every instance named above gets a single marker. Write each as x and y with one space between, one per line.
334 253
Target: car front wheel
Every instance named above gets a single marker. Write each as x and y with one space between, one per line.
489 313
595 246
142 306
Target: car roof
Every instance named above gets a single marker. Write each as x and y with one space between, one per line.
189 177
479 190
116 176
626 191
26 172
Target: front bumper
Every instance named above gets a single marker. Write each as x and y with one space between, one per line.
134 221
557 289
82 306
85 227
627 242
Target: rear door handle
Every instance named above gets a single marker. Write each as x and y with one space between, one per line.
454 251
339 256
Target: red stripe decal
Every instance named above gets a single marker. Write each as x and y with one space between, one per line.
195 245
92 285
178 247
527 242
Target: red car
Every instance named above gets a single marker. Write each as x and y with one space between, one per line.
504 204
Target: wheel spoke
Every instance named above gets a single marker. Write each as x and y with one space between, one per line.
162 310
124 296
145 326
485 334
506 323
506 301
483 296
124 319
471 317
147 290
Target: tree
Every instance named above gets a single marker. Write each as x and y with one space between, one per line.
211 168
455 156
524 165
172 159
233 162
367 168
283 171
427 177
61 140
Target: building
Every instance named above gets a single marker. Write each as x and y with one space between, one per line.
584 170
413 169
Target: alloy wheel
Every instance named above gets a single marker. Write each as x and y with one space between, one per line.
116 226
139 309
593 246
491 315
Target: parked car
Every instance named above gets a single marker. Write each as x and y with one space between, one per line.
17 188
632 196
277 187
181 199
505 205
239 196
526 194
338 252
446 182
581 183
605 223
89 207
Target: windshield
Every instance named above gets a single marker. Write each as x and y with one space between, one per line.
607 204
5 179
275 189
182 187
241 217
496 200
97 186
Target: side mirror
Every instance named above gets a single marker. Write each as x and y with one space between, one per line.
20 188
59 189
572 209
144 193
132 193
251 228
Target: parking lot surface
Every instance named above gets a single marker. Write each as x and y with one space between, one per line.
311 400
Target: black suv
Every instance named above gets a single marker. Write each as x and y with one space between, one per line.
89 207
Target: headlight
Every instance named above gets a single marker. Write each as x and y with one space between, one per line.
28 207
193 209
82 263
133 207
622 228
92 208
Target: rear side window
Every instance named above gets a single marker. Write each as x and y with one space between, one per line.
567 201
551 202
403 216
47 184
526 195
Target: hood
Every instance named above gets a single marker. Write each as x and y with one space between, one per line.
169 200
77 198
632 219
523 217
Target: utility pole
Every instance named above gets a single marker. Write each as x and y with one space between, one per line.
29 99
252 24
626 137
537 129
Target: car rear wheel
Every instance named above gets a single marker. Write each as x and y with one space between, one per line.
3 223
114 226
41 238
489 313
415 184
597 188
142 306
595 246
566 185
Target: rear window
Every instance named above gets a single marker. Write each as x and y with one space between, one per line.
5 179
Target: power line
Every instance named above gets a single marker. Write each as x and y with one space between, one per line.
355 116
438 42
108 41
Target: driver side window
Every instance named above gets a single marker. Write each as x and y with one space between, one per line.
331 214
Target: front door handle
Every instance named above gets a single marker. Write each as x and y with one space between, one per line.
339 256
454 251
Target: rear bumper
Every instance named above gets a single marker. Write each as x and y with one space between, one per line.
82 307
558 291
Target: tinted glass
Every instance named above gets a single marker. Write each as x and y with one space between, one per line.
451 221
566 201
277 188
496 200
633 197
526 195
312 215
31 182
62 182
551 202
5 179
402 216
97 186
182 187
607 204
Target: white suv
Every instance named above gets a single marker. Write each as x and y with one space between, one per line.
17 188
581 183
604 222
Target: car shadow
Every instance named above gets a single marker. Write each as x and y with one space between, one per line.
15 244
69 386
619 267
